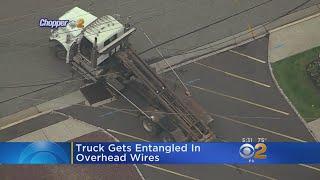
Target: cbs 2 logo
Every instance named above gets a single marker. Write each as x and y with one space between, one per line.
258 151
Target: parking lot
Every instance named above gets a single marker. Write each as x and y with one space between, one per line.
237 89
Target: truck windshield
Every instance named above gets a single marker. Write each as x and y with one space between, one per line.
86 47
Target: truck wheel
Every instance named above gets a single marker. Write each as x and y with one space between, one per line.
166 137
61 53
151 127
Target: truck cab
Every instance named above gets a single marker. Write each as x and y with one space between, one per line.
86 35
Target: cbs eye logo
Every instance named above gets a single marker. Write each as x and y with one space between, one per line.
43 153
248 151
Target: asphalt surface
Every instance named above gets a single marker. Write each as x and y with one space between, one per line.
26 58
234 118
241 108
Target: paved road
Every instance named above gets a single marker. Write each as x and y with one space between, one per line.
268 115
26 58
241 108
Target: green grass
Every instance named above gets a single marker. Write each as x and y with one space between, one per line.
293 79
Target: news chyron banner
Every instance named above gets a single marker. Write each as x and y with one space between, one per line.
158 153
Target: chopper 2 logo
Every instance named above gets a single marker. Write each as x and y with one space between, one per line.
44 22
248 151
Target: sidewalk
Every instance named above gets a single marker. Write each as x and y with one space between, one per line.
24 115
294 38
72 130
238 39
315 127
291 39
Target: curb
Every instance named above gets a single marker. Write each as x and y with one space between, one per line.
290 103
295 22
58 103
197 58
236 40
7 121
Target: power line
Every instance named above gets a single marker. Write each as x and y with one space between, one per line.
38 11
131 111
65 32
48 43
32 28
88 34
205 26
189 50
51 84
181 35
165 60
54 82
31 92
29 14
165 42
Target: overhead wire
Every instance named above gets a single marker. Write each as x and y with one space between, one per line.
193 50
127 16
205 26
53 82
87 34
165 60
134 111
165 42
223 19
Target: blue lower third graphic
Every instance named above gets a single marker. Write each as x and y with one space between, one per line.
196 153
35 153
159 153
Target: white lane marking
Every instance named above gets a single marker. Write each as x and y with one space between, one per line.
127 135
172 172
260 128
155 167
233 75
239 99
247 56
250 172
310 167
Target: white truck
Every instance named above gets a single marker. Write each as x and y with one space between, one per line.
93 42
90 44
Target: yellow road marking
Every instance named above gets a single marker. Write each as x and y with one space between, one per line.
260 128
250 172
247 56
233 75
239 99
172 172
